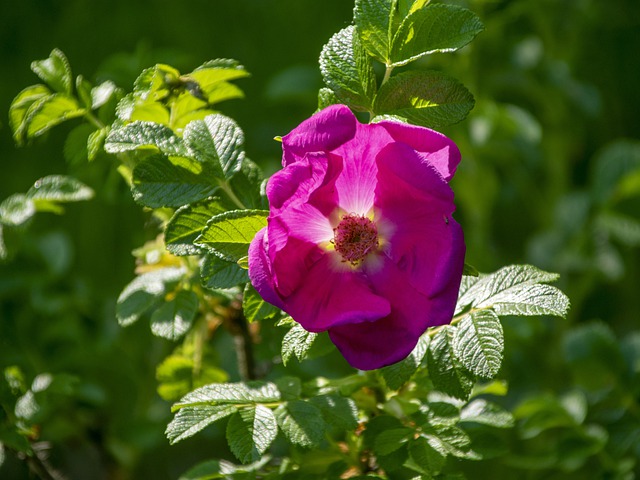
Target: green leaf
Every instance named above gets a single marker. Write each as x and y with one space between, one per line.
347 70
326 97
102 93
426 456
55 71
515 290
230 233
250 432
254 307
391 440
138 134
155 83
427 98
21 105
143 291
301 422
187 224
231 393
247 184
398 374
434 28
161 181
217 140
297 341
219 273
479 343
445 370
49 111
59 188
374 22
341 412
16 209
189 421
95 143
617 161
75 146
174 318
486 413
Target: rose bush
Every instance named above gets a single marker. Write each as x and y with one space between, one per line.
360 239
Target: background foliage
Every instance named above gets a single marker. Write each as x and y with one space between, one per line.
550 176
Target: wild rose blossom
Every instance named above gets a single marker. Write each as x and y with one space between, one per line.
360 240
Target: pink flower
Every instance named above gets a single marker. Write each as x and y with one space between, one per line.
360 240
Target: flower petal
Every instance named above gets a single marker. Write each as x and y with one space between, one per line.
356 183
323 132
426 242
437 149
260 272
372 345
330 296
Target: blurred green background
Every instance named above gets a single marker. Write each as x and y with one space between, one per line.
550 176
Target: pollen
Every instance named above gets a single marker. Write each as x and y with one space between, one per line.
354 238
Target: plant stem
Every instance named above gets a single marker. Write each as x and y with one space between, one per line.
224 186
244 346
387 74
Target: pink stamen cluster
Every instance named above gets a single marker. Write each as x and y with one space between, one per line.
354 237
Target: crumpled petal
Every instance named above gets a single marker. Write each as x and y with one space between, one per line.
323 132
437 149
391 338
426 243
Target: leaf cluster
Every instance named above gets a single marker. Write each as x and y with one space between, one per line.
393 34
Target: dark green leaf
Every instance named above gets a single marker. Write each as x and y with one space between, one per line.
445 369
515 290
398 374
374 22
75 146
427 98
250 432
254 307
218 140
189 421
143 291
161 181
187 224
434 28
341 412
430 459
174 318
297 341
16 209
290 388
230 233
391 440
219 273
347 69
615 162
247 185
140 134
301 422
231 393
55 71
479 342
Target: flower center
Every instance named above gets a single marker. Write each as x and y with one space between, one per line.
354 237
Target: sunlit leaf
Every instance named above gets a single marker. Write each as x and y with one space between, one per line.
427 98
